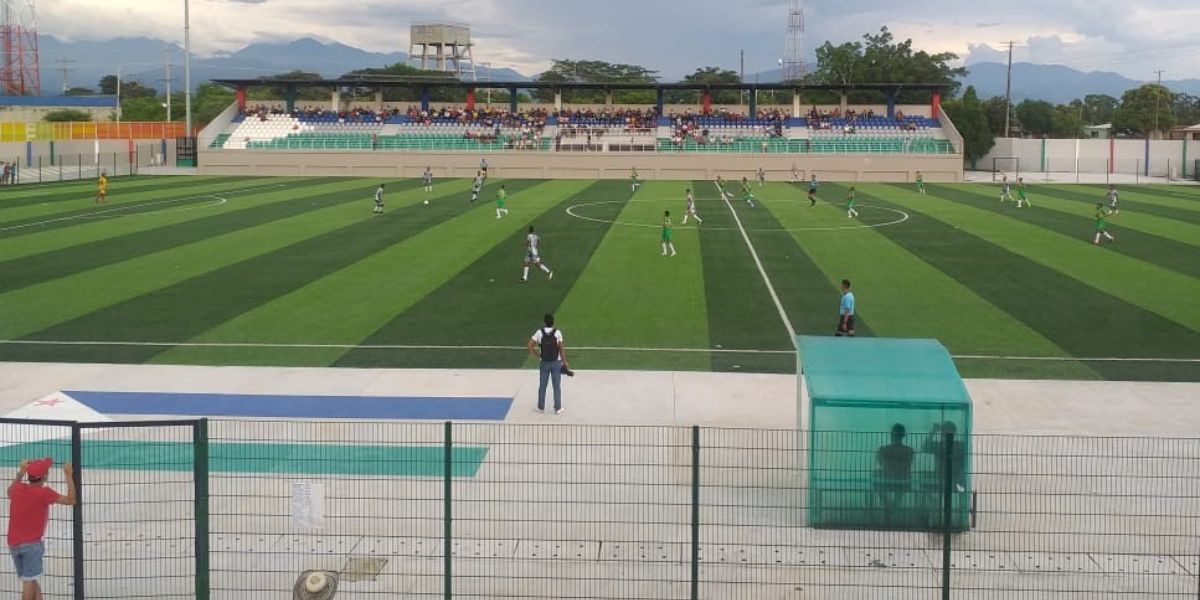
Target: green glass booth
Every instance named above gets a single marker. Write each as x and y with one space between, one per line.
878 413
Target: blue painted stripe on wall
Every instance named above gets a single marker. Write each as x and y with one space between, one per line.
309 407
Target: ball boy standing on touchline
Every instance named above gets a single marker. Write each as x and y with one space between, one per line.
28 514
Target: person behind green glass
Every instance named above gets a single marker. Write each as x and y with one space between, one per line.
1102 224
850 212
1022 197
920 183
667 244
501 196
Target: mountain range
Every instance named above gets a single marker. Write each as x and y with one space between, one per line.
142 59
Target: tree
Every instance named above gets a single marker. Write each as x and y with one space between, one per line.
1036 117
143 109
972 123
1144 109
129 89
208 102
1098 109
1067 122
880 59
67 115
709 75
994 109
596 71
279 92
1186 109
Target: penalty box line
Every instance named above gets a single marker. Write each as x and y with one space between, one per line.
284 346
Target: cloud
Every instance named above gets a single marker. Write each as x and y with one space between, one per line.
671 36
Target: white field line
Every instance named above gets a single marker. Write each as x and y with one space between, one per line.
767 280
100 213
270 345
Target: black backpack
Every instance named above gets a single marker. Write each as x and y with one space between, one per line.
549 345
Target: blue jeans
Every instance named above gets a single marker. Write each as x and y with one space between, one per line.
27 558
550 370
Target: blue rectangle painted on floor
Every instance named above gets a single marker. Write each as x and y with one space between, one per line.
305 407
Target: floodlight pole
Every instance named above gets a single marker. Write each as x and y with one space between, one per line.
187 70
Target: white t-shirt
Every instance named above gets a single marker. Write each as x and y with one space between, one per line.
543 331
532 240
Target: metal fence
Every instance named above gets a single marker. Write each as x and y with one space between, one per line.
482 510
49 168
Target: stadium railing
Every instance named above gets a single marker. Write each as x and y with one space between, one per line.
233 508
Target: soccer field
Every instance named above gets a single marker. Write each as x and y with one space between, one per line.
298 271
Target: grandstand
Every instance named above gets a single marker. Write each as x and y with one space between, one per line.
877 142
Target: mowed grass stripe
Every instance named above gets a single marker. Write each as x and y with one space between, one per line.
93 230
631 295
1145 285
79 192
809 295
484 304
900 292
38 307
1074 220
219 295
1001 260
1131 203
36 219
741 313
251 211
347 306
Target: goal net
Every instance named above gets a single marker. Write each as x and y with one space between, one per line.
1006 166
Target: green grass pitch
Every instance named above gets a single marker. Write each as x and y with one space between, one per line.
298 271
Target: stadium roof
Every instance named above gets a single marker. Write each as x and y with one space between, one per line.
399 82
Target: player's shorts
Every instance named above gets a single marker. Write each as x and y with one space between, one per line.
499 204
848 327
530 257
1101 225
666 236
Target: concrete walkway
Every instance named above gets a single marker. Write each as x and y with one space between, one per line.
634 397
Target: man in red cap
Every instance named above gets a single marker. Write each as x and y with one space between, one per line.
27 517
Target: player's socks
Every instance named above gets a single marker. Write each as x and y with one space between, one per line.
525 273
672 246
664 249
544 269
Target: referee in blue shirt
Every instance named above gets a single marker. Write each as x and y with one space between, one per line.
846 312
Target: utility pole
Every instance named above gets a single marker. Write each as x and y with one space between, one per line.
1008 94
187 68
167 79
1157 99
742 73
64 67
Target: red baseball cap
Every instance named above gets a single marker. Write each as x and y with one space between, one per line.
40 467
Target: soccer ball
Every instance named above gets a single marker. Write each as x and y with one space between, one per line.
426 202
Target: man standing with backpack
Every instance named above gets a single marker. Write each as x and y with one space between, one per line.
547 346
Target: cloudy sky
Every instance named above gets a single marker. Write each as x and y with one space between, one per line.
1131 37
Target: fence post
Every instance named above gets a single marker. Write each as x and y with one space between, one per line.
947 508
200 507
60 167
80 159
447 505
77 513
39 168
695 513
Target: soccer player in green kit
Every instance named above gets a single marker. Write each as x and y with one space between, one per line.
920 183
634 184
850 212
501 196
1102 224
667 245
747 192
1022 197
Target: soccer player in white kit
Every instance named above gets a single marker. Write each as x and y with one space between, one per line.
1005 190
691 209
1113 198
475 187
762 177
428 177
379 200
533 256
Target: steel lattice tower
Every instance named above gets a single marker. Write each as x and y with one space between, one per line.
20 74
793 55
